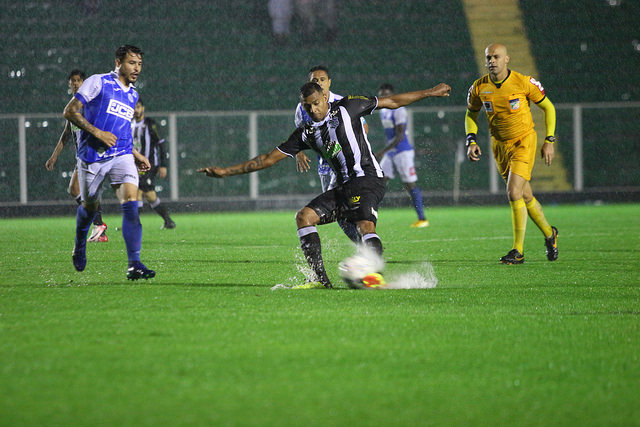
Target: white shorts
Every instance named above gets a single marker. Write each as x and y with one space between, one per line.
119 170
403 162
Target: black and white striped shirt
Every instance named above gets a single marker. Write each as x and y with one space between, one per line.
340 139
147 141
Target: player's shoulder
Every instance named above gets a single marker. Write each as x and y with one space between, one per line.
334 97
482 80
526 80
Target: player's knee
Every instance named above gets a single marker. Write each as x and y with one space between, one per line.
306 217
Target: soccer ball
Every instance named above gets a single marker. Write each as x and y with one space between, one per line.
362 271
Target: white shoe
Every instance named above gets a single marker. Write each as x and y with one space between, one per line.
97 232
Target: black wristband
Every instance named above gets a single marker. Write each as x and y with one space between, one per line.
471 139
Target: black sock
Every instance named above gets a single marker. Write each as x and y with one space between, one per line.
312 250
160 209
97 219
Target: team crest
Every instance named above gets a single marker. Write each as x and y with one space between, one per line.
514 103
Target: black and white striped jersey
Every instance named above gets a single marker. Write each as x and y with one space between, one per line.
340 139
147 141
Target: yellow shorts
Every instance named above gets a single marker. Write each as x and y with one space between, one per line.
517 155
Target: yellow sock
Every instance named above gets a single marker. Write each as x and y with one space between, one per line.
534 209
519 223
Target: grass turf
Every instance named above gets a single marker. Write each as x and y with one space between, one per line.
208 343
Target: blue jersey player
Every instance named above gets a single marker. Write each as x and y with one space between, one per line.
103 108
398 153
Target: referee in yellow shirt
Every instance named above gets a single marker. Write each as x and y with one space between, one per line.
505 95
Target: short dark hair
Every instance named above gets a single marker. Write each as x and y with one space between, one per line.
309 88
140 101
319 68
122 51
386 86
77 72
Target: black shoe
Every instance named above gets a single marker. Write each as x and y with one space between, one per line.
139 271
552 244
79 257
513 257
169 224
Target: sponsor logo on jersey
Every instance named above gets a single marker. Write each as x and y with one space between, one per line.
537 84
357 97
488 106
332 149
514 103
119 109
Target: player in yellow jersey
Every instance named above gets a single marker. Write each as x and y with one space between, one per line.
505 95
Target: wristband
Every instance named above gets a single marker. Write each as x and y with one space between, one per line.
471 139
550 139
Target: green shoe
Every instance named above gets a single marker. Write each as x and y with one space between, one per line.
309 285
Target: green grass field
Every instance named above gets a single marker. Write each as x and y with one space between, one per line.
207 342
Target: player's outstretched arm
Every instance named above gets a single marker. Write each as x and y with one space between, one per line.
403 99
73 113
260 162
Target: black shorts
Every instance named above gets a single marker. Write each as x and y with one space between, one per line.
357 200
148 180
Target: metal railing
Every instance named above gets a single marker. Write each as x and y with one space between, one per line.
215 137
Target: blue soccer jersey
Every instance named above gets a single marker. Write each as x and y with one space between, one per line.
390 119
109 106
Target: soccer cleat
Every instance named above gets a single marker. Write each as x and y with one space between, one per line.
513 257
139 271
311 285
79 257
552 244
169 224
421 223
97 232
